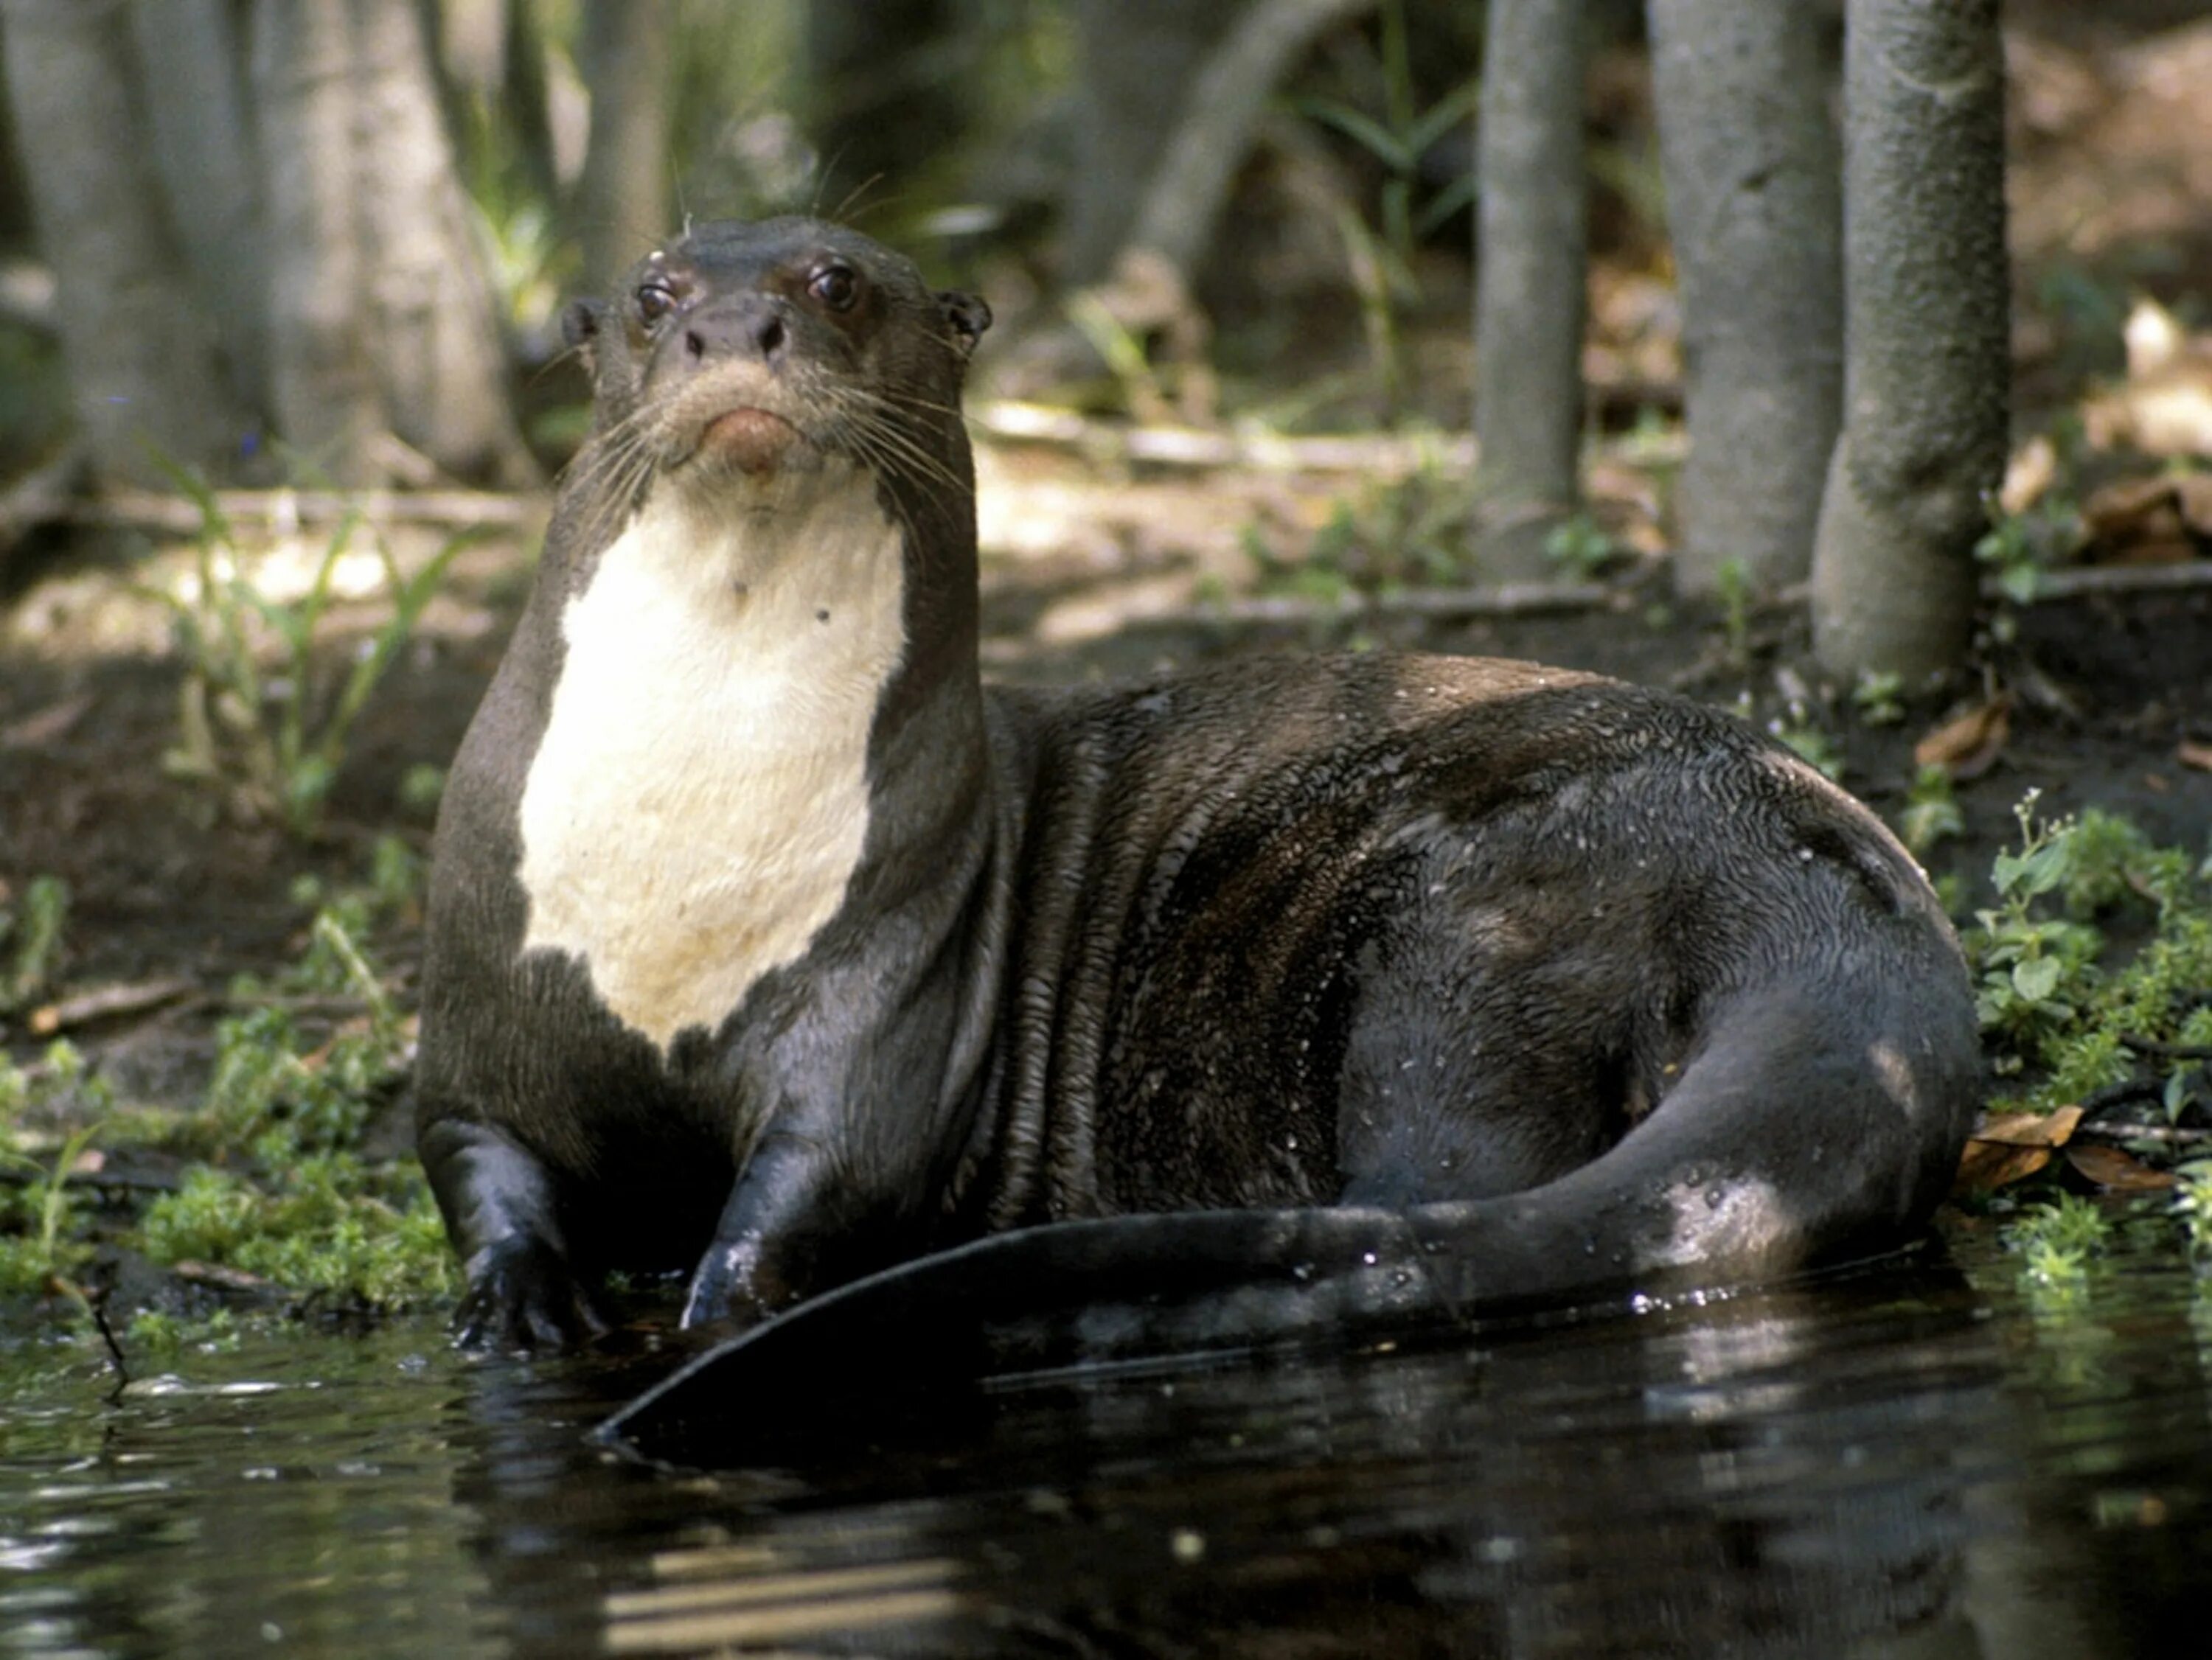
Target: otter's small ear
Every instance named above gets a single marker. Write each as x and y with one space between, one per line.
580 323
967 315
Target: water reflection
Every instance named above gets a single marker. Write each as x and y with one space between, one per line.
1919 1462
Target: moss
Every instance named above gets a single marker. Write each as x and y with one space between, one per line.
332 1225
283 1190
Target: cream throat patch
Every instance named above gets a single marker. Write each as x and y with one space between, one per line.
700 798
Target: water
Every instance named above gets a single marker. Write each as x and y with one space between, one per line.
1922 1462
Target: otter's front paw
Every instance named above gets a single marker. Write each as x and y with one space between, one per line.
733 1287
522 1295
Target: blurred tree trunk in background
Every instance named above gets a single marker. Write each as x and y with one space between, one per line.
622 206
1136 61
1196 160
1528 299
1927 338
200 121
141 353
433 324
255 210
885 79
1749 148
322 386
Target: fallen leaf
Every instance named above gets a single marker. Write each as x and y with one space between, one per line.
2051 1128
2118 1172
2007 1147
2140 521
1968 746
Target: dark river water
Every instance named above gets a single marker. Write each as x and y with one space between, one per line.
1932 1460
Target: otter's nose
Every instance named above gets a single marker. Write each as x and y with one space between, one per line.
746 326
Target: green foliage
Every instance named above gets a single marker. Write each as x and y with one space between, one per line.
2020 547
1931 811
2192 1203
422 786
2052 1010
1733 579
39 1235
31 930
1134 378
329 1223
2057 1238
1580 546
285 1191
1879 697
287 1195
163 1338
2026 960
272 743
1410 531
1382 261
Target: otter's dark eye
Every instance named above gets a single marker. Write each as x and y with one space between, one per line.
835 286
655 300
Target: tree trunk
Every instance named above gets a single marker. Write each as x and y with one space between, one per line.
434 322
1927 337
1528 301
1219 110
141 357
322 386
623 198
201 127
1753 207
1137 60
887 90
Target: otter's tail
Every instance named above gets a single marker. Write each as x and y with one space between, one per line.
1788 1142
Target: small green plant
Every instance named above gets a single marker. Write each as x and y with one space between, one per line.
163 1337
1580 546
1405 532
1878 697
2020 547
273 741
2052 1013
1931 811
1382 261
2025 959
39 1238
1138 382
2192 1203
32 930
1732 581
2057 1238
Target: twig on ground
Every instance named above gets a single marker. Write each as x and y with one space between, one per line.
148 510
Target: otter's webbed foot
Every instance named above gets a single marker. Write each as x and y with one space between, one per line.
523 1295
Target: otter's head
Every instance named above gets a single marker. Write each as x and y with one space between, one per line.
741 355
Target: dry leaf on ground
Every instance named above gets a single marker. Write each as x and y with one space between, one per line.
2005 1147
2116 1172
1968 745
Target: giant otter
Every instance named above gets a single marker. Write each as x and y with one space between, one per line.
766 942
